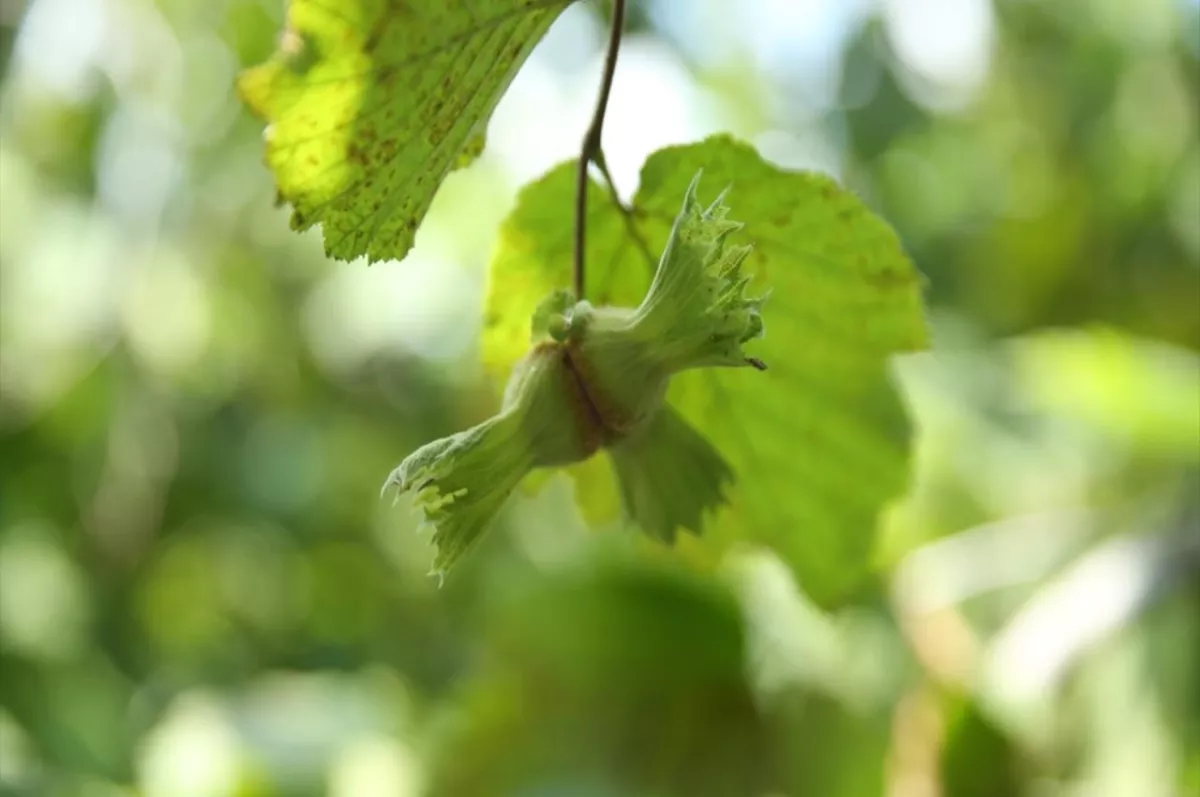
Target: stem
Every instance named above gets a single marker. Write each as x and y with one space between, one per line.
591 151
626 214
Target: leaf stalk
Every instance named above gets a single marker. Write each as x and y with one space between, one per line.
591 151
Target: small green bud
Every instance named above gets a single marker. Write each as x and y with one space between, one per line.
551 318
598 377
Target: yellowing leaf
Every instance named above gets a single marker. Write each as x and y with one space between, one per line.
371 103
819 443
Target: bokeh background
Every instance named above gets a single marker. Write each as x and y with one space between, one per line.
201 594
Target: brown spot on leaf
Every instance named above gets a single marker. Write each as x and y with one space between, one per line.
888 279
377 31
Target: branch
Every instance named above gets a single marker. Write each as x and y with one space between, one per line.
591 152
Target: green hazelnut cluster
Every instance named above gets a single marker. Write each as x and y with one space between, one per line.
597 378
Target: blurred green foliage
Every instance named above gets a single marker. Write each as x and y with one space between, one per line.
202 594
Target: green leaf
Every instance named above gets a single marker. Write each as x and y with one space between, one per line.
820 443
613 678
977 759
371 103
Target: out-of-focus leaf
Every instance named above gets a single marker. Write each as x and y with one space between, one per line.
978 760
371 103
829 749
819 443
1142 392
1173 654
620 679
